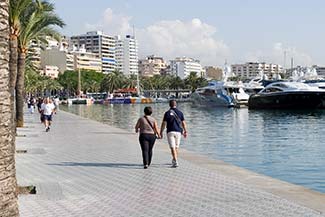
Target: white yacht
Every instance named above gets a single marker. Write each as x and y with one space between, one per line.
223 94
311 78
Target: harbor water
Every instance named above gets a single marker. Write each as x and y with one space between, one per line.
287 145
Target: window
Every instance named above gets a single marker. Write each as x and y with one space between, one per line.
272 90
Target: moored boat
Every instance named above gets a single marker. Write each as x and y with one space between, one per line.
288 95
220 94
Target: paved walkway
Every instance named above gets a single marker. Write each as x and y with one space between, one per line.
85 168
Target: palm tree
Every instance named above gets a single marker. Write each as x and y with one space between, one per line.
69 81
17 8
193 81
112 81
8 195
176 83
35 25
130 82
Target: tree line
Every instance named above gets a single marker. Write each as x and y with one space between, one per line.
21 22
92 81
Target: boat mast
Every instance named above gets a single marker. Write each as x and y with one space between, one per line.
79 83
138 80
138 84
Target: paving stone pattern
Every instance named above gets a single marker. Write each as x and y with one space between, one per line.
85 168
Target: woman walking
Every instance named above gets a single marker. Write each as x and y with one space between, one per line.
149 131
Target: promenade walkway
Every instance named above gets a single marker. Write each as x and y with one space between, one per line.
85 168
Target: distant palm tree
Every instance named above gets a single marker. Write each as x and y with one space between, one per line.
91 86
193 81
130 82
112 81
8 195
36 22
175 83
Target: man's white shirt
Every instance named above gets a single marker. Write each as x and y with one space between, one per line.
47 108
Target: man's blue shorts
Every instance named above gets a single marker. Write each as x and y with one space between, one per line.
48 117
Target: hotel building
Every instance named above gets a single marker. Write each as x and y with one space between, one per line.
100 44
126 55
183 66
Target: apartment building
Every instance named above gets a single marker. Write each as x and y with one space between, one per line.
34 52
183 66
71 60
100 44
86 60
126 55
151 66
252 69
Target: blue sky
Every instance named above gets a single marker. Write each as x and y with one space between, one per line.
211 31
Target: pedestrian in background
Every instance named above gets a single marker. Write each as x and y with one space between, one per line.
56 104
149 132
40 101
47 110
176 127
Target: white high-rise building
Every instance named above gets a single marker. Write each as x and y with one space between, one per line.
126 55
98 43
183 66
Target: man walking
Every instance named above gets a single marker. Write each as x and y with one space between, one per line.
176 126
47 109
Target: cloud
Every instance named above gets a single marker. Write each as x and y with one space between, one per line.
111 23
169 38
299 57
276 55
172 38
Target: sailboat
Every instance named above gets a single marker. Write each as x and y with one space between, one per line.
79 99
128 96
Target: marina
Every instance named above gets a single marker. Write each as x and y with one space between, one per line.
283 144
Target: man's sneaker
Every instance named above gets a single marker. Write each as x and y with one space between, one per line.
47 129
174 163
145 167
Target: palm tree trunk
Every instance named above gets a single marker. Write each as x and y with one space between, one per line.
20 89
8 183
13 75
13 62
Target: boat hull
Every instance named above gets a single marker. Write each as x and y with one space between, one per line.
212 100
132 100
287 100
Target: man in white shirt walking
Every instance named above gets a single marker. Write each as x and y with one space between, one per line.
47 110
